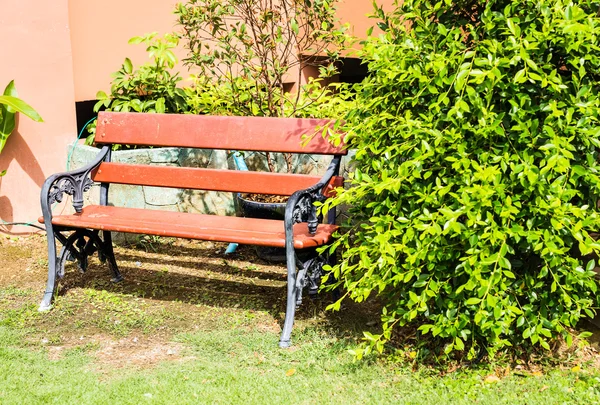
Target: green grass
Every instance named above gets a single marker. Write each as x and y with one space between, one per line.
230 367
222 321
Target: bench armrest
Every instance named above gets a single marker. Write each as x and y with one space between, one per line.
301 203
73 183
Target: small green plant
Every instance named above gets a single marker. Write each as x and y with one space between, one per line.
476 186
10 104
150 88
149 242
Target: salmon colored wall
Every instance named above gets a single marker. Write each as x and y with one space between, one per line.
100 30
36 53
356 12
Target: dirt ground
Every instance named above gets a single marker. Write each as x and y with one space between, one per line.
171 286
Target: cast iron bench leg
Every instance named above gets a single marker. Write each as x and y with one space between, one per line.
110 256
292 292
51 284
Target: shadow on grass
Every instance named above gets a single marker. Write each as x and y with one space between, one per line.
226 267
198 276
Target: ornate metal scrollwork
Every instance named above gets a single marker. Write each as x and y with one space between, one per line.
73 183
74 186
310 276
315 275
81 244
302 209
61 187
305 210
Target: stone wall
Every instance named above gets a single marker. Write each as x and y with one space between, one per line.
173 199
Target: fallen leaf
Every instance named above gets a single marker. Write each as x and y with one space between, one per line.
291 372
492 378
544 388
537 373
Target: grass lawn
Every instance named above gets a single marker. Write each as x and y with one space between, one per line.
187 326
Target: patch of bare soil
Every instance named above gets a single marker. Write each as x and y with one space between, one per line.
23 259
135 351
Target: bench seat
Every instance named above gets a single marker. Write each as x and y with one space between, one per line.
248 231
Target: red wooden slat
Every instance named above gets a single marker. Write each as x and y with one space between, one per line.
208 179
214 132
251 231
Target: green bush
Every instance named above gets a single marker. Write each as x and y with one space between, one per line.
475 190
316 100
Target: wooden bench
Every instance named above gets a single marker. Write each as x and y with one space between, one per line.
89 229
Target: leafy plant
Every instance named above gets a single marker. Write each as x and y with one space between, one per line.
316 100
10 104
475 194
150 88
246 50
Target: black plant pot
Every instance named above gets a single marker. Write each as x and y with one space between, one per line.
253 209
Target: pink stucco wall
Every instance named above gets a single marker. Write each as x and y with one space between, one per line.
356 12
36 53
100 30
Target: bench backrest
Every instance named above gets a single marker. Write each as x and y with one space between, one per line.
212 132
